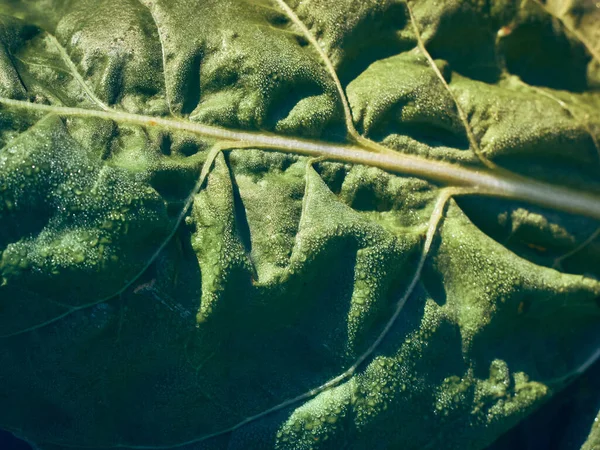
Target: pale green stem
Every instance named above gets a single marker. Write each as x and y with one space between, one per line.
498 183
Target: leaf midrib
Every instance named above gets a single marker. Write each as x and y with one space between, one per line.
498 183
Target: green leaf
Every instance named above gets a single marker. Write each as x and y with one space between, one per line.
292 225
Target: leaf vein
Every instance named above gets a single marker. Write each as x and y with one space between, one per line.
461 113
75 73
500 183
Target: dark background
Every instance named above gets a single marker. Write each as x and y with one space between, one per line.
9 442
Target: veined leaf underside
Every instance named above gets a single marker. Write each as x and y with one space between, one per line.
491 181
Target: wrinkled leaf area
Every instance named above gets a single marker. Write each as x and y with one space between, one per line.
129 319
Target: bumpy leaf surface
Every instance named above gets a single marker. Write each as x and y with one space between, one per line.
211 237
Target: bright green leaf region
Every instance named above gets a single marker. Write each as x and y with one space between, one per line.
293 225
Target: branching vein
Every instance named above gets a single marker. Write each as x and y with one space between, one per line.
328 64
461 113
352 131
75 73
